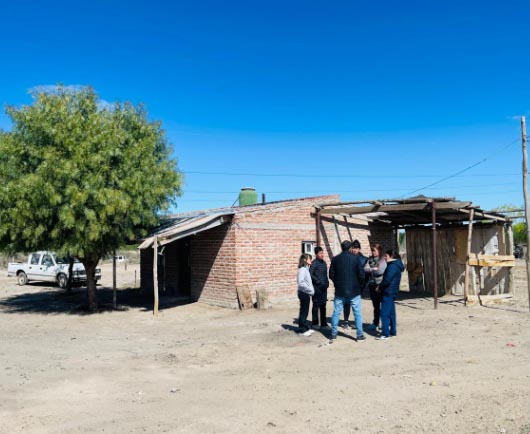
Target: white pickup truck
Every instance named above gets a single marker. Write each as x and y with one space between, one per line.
48 267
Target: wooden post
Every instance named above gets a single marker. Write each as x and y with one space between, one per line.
318 227
468 254
526 205
114 297
155 275
509 251
434 255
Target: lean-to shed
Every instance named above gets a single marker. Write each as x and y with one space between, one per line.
451 245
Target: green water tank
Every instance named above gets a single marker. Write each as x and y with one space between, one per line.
248 196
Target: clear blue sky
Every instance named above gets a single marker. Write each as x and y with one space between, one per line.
378 98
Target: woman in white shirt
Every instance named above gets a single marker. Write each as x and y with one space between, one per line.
305 291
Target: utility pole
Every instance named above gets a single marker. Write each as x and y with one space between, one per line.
526 205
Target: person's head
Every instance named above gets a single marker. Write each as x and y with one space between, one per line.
319 253
355 247
391 255
305 260
345 245
377 250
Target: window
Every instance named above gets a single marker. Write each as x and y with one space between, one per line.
308 247
47 260
35 259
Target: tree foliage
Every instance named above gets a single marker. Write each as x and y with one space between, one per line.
80 179
519 233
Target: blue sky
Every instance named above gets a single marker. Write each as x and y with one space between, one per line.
299 98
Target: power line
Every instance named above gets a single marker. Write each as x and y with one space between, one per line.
463 170
312 176
183 200
359 190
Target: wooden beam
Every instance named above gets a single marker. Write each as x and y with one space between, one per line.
155 275
483 260
452 205
468 253
389 208
434 255
485 215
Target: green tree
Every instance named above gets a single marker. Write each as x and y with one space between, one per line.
81 179
519 233
516 213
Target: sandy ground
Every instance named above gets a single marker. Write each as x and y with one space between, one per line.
199 369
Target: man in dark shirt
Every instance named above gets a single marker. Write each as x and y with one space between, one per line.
347 273
319 276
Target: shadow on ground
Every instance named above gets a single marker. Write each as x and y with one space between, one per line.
56 301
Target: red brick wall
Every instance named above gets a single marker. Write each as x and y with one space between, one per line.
268 245
213 267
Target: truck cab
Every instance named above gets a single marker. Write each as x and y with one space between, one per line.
48 267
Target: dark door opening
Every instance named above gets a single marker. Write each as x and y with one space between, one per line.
176 269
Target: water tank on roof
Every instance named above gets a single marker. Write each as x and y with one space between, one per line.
248 196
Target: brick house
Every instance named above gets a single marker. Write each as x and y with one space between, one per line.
206 255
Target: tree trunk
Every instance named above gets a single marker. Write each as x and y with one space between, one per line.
70 274
90 268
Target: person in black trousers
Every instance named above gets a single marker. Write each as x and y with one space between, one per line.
375 268
305 291
319 277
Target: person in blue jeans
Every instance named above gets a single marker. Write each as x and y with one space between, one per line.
389 288
347 273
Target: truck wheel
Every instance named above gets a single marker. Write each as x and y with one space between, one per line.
22 278
62 281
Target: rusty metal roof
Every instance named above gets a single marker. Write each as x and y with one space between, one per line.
413 211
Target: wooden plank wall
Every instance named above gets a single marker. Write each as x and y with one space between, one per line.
451 259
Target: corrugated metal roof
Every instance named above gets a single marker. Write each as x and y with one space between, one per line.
183 227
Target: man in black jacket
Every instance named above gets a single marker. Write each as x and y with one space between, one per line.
347 273
319 276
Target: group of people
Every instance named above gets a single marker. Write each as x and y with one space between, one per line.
351 272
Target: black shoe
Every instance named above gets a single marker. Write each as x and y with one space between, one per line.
332 339
361 338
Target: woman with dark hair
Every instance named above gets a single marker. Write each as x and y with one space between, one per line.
389 288
375 268
305 291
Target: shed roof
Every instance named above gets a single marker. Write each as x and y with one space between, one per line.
176 228
413 211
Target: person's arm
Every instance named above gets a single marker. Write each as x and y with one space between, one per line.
367 268
304 281
314 274
332 271
387 279
360 271
380 269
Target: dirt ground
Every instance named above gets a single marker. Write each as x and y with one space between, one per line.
199 369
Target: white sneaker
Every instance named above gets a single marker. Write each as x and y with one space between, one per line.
308 332
382 338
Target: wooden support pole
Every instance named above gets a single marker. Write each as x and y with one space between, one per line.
155 275
468 255
318 227
434 255
526 205
114 296
509 251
